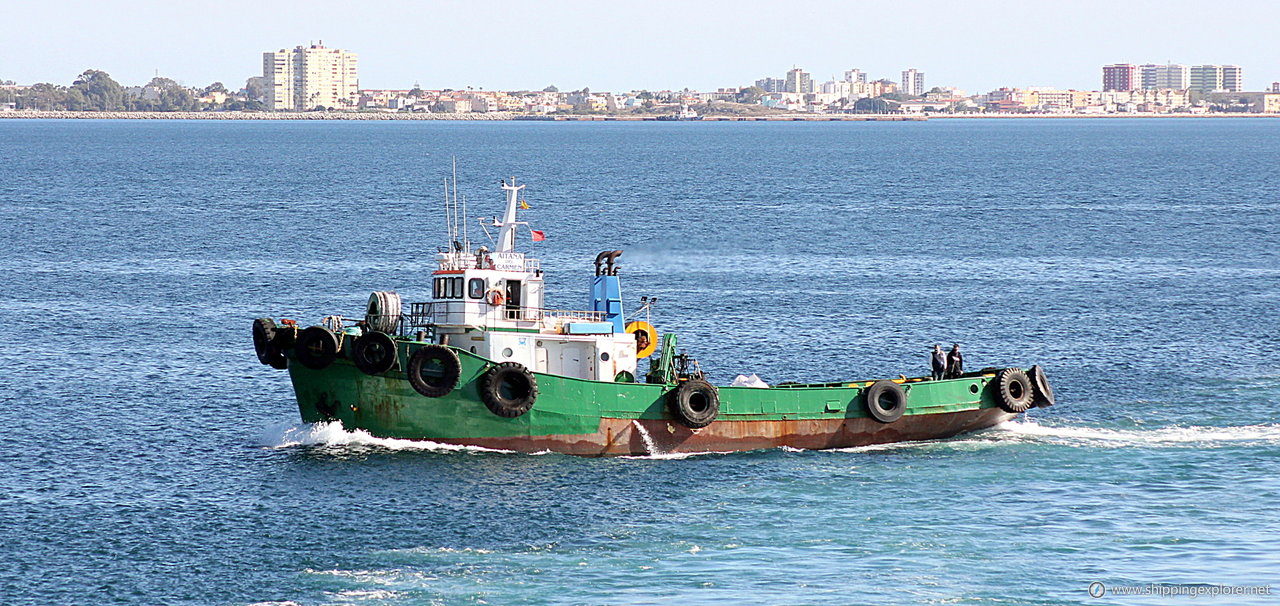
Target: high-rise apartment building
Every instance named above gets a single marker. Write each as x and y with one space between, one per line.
1169 76
1233 78
913 82
772 85
308 77
855 75
1209 78
799 81
1120 76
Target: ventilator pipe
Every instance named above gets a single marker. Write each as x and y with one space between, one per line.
600 259
613 255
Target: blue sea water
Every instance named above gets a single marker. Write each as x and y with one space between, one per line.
147 458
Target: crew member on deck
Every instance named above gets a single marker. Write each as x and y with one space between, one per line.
955 362
939 361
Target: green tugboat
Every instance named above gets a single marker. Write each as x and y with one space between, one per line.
485 363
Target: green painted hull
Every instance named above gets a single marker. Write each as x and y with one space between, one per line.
595 418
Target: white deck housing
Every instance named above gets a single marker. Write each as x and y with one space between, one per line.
492 304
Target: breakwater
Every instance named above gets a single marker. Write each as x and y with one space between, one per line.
491 116
70 115
74 115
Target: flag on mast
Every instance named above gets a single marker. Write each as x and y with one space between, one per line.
538 235
524 205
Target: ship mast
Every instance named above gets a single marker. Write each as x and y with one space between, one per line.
507 236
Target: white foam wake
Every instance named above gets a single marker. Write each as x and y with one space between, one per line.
1164 436
652 451
333 434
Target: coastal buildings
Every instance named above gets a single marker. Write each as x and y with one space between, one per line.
1120 76
307 77
311 77
1210 78
1174 76
1257 103
1201 79
913 82
772 85
798 81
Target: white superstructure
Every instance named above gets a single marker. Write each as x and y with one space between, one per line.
492 303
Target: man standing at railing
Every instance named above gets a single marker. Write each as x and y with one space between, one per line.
939 362
955 362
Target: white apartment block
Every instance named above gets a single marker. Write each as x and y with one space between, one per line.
1209 78
1171 76
313 76
1233 78
913 82
798 81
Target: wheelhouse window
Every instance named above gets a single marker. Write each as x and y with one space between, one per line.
475 288
448 288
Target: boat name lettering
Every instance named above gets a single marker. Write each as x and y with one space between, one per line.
508 261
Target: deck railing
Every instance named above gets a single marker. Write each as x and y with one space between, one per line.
422 315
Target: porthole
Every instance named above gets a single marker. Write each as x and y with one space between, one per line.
473 349
605 356
973 388
507 353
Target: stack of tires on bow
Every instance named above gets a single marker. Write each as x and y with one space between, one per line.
507 389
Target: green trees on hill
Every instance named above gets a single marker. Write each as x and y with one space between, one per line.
95 90
164 95
42 96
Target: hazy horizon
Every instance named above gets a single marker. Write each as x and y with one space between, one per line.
659 45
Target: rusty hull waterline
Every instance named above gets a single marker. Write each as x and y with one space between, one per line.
620 437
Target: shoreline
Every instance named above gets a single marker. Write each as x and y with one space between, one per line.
508 116
1084 116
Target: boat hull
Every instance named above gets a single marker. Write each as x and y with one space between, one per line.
659 436
596 418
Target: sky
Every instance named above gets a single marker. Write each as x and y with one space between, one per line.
650 44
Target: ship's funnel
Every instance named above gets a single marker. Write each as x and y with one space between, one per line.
606 292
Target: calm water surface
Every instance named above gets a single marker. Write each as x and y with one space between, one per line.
148 458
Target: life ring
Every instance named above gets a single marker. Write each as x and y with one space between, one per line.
646 338
495 297
374 352
1039 382
1013 390
695 403
885 401
265 337
434 370
508 389
316 348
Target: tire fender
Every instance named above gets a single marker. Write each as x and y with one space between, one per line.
374 353
508 389
695 403
885 401
1013 390
434 370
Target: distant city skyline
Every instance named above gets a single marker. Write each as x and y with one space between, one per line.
660 45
